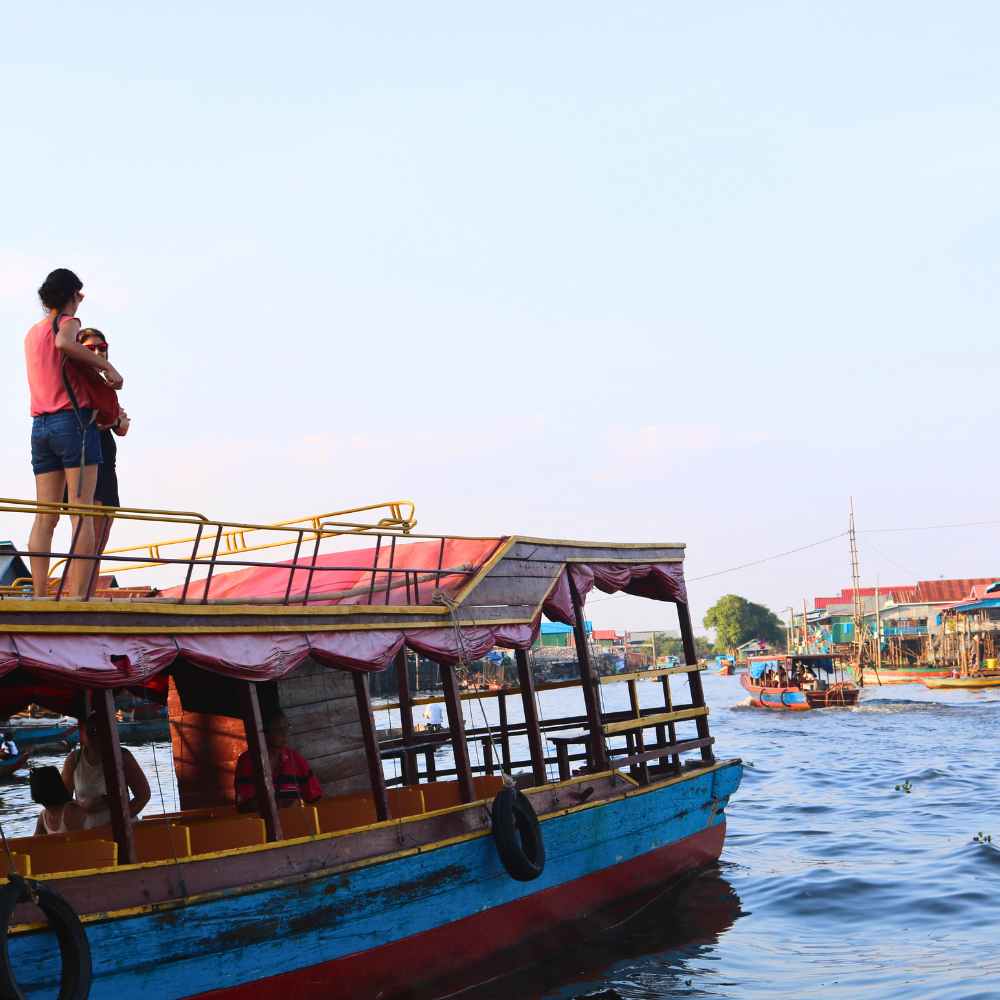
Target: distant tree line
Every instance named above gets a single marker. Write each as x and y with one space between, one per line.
737 620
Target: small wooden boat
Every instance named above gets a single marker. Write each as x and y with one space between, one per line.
35 732
972 682
797 683
885 676
9 767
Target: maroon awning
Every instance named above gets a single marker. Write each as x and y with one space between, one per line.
51 669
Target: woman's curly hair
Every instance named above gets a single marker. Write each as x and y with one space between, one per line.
58 288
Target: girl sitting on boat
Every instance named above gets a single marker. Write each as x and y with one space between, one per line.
60 813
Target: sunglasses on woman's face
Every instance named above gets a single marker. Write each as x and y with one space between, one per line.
102 348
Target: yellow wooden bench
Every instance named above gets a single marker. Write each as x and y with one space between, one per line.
161 841
21 863
345 812
441 795
406 801
486 786
62 856
209 836
299 822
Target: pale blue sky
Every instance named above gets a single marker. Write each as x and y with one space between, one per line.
643 271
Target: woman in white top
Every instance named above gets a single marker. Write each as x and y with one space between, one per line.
60 813
83 772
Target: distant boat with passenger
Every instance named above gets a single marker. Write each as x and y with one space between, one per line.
793 682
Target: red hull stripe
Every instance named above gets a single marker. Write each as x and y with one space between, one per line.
446 950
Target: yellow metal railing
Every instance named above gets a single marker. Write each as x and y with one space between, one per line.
400 519
215 540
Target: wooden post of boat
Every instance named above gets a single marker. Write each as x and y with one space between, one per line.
456 723
694 679
267 804
668 703
534 732
409 762
114 774
375 773
642 770
504 732
598 747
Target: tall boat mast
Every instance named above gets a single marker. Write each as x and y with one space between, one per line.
861 635
859 607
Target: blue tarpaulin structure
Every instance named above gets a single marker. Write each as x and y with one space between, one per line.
824 663
557 628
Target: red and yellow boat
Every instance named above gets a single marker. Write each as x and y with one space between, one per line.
793 682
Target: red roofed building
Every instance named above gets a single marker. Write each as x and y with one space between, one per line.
924 592
608 638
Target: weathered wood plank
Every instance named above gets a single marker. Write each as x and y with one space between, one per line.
656 719
307 718
670 750
649 675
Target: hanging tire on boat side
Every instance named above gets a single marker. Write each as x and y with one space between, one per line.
74 948
518 835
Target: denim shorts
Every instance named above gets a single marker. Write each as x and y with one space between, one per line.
56 441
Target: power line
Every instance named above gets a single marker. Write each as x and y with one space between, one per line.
759 562
930 527
813 545
889 559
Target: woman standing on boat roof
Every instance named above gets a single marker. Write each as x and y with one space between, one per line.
83 773
65 442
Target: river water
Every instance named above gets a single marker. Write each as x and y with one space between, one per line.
833 882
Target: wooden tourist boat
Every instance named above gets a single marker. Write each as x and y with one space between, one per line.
797 683
970 682
384 883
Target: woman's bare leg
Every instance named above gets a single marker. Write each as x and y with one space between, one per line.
102 531
79 572
48 489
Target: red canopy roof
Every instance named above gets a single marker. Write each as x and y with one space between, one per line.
336 572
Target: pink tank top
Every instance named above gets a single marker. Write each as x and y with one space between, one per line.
44 361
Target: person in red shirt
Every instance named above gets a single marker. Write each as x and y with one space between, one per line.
293 778
65 441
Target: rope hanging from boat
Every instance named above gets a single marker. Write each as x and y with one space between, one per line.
167 823
440 597
550 773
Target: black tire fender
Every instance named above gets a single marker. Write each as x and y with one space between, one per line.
74 948
518 835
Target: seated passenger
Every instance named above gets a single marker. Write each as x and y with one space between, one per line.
60 813
83 772
293 778
8 748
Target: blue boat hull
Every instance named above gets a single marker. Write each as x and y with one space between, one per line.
336 933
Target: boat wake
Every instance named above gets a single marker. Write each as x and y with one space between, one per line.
896 705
